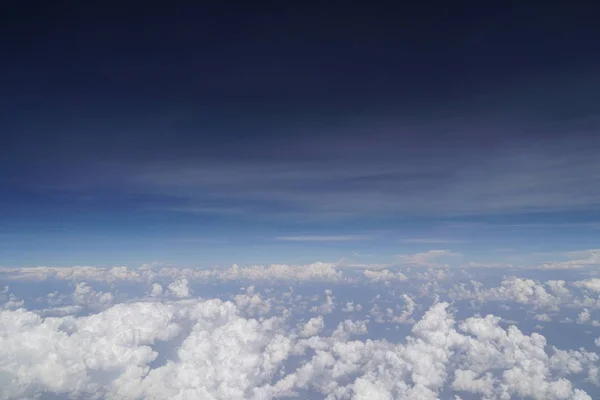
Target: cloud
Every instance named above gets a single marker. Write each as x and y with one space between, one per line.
384 276
581 259
351 307
318 271
331 238
501 265
592 284
407 311
518 177
432 241
313 327
426 259
180 288
550 295
252 303
210 349
156 290
9 300
328 305
84 295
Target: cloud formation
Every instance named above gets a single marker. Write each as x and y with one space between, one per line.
330 238
426 259
207 349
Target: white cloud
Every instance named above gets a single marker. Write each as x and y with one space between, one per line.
328 305
520 290
86 296
180 288
313 327
426 259
318 271
592 284
252 303
172 345
583 316
542 317
407 311
580 259
121 353
384 276
351 307
9 300
156 290
489 265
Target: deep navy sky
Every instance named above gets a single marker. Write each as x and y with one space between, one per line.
285 132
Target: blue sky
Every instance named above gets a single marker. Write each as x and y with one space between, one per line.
192 136
256 200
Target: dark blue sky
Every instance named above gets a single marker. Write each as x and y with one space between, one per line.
282 131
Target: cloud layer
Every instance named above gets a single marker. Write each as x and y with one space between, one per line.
315 332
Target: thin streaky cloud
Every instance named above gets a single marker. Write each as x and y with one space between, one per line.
427 258
321 238
432 241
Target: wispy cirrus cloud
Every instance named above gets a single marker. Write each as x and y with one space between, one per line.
323 238
578 259
425 240
426 259
515 180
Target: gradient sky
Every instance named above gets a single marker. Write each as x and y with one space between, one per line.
219 134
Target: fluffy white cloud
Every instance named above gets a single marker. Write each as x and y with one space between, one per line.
149 273
252 303
261 342
191 348
542 317
515 289
384 276
328 305
180 288
351 307
156 290
9 300
592 284
86 296
313 327
407 311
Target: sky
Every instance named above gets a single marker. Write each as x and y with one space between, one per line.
276 200
212 134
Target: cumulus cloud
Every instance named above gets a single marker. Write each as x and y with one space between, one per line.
152 273
592 284
351 307
180 288
384 276
156 290
550 294
313 327
9 300
328 305
407 311
281 332
252 303
210 349
86 296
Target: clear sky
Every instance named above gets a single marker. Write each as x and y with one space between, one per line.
280 132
